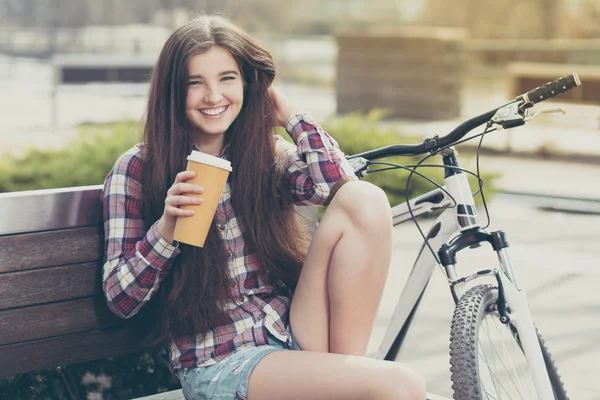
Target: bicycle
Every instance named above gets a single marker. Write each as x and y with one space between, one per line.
457 228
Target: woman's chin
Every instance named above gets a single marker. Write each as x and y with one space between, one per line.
211 129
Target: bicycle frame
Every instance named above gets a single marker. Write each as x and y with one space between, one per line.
459 220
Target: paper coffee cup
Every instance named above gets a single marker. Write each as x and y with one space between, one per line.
211 174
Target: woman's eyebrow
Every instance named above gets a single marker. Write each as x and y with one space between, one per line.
198 76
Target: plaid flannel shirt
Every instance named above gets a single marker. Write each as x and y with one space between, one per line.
137 260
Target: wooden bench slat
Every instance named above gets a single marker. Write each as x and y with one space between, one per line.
68 349
47 285
55 319
45 249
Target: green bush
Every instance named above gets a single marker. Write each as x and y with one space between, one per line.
86 161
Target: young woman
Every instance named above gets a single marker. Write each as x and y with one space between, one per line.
237 312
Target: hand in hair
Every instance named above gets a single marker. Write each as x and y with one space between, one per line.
178 195
284 107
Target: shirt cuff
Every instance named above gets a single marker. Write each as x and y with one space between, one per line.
160 251
293 125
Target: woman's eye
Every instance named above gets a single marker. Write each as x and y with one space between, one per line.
228 78
194 83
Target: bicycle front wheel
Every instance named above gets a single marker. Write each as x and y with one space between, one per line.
486 358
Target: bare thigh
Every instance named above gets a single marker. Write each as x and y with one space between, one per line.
309 312
300 375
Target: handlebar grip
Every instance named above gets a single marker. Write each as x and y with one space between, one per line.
551 89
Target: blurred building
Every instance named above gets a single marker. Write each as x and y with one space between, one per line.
326 15
254 14
518 19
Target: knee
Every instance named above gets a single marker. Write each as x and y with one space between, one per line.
364 203
403 384
416 388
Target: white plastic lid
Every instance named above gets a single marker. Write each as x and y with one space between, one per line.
204 158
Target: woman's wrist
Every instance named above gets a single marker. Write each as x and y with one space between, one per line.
290 116
166 229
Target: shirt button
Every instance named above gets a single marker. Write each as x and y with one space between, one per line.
233 284
221 227
241 299
229 254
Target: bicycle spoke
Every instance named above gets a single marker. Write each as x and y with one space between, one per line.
485 327
525 371
498 392
488 394
510 358
490 371
482 355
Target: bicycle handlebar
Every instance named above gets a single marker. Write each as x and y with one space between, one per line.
537 95
551 89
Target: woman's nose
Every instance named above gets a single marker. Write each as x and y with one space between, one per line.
213 96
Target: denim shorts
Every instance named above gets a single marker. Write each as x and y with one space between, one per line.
228 378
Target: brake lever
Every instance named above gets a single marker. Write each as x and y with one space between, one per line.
516 114
360 165
544 111
510 116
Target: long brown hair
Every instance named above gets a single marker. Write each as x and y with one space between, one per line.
190 298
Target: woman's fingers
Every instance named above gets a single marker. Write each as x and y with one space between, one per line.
185 188
172 204
178 212
183 200
182 193
184 176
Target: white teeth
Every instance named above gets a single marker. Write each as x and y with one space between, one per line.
213 111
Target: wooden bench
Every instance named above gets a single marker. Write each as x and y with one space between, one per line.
524 76
52 308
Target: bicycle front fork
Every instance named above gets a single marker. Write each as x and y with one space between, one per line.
512 301
473 238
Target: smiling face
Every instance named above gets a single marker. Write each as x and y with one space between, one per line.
215 94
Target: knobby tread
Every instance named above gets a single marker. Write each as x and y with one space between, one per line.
463 345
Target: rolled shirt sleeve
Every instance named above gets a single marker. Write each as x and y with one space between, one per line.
135 260
317 167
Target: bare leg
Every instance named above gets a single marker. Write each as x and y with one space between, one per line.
333 310
301 375
340 287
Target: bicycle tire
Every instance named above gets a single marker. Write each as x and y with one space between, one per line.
472 308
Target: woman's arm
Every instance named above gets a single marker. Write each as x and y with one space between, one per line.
316 167
135 260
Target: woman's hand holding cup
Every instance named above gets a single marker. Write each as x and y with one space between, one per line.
179 194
